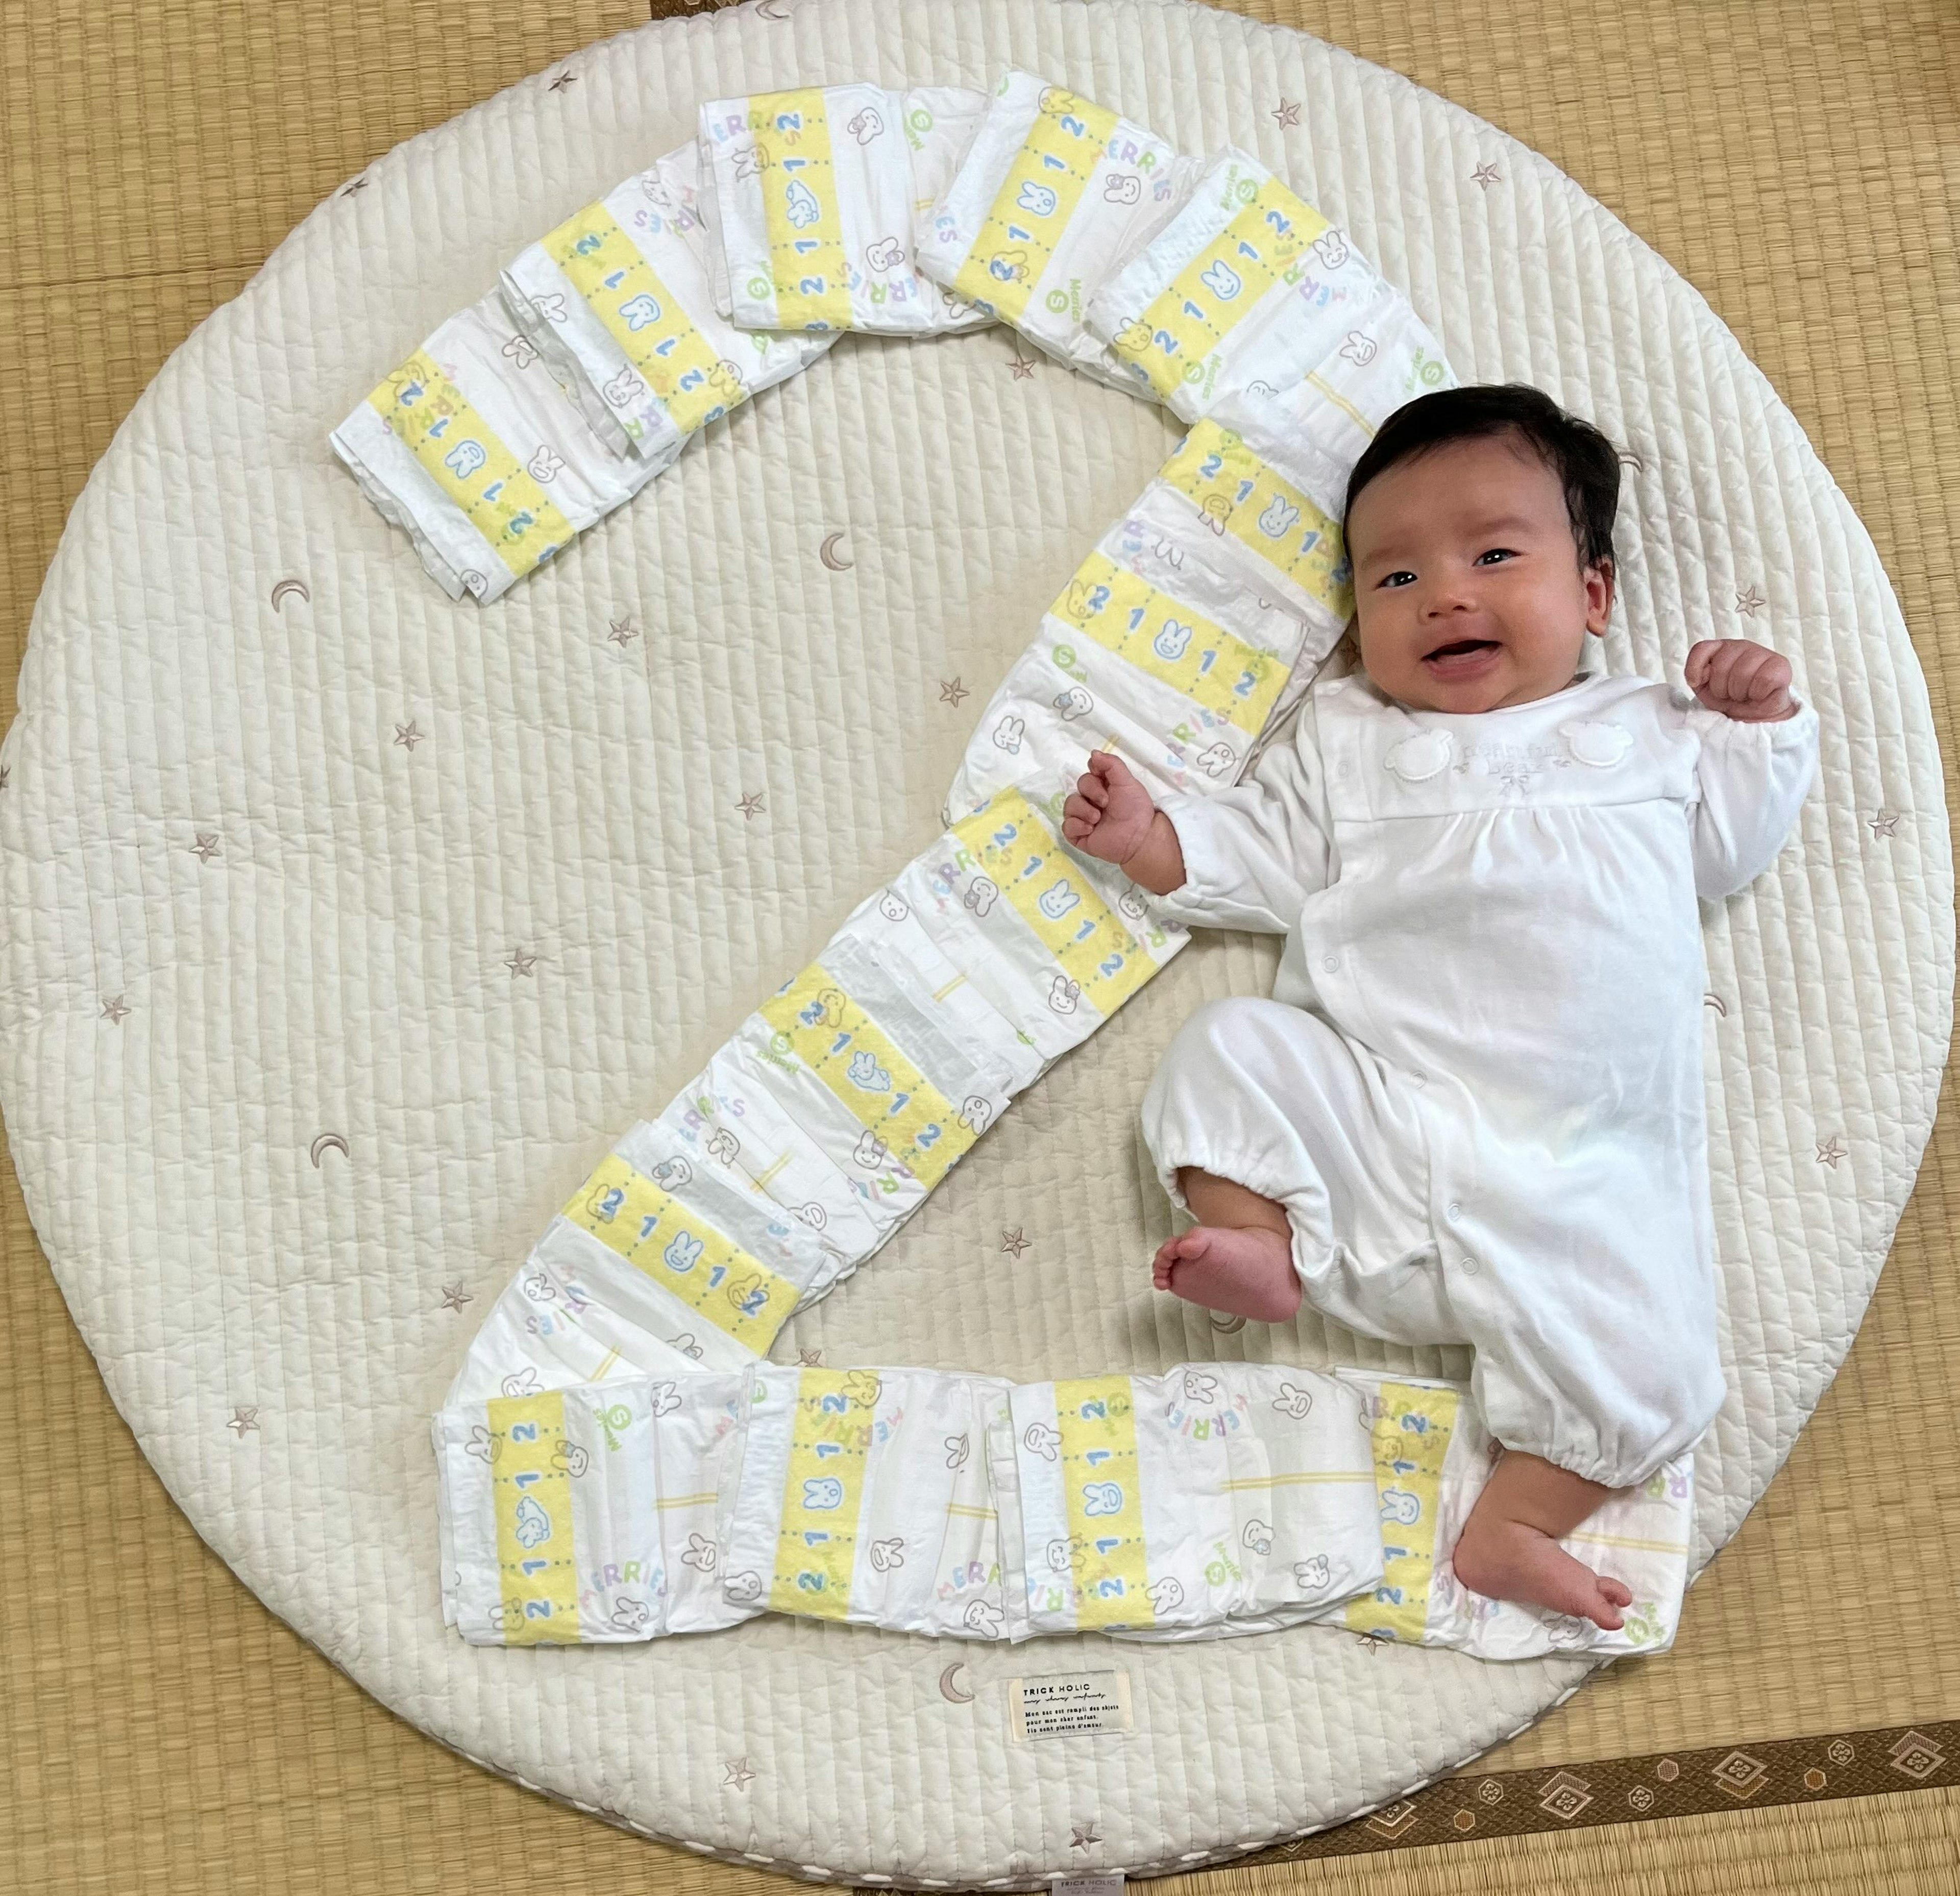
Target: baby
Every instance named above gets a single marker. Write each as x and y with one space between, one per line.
1472 1110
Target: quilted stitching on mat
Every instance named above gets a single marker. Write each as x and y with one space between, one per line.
345 931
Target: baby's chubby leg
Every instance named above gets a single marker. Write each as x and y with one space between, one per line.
1237 1258
1508 1548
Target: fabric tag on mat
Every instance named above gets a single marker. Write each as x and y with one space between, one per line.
1069 1704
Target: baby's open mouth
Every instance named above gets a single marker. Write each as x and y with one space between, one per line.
1463 654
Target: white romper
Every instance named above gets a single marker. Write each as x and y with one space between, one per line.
1478 1086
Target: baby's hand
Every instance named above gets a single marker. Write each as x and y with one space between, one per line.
1111 812
1741 679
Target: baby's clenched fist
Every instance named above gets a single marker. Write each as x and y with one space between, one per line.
1740 678
1111 813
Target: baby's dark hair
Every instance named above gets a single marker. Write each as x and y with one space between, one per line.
1586 462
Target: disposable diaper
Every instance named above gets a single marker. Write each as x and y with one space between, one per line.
1175 1505
588 1515
619 302
864 1495
475 451
1054 194
809 198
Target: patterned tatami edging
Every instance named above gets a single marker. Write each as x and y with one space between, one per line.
1623 1790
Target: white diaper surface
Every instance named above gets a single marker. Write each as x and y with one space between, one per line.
587 1514
618 300
810 196
864 1495
1187 632
1248 285
1054 194
1175 1504
476 450
1215 1499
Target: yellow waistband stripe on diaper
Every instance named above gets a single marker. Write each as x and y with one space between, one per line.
1207 299
1411 1438
643 316
823 1492
1032 208
434 420
1095 1417
817 1020
679 1250
532 1488
1238 494
1012 843
812 278
1198 660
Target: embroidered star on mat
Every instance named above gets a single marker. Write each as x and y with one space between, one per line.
563 80
1885 823
622 634
1084 1835
242 1420
1833 1149
6 771
1013 1241
1287 112
739 1773
205 847
521 962
407 736
359 184
454 1296
751 803
952 692
1750 603
810 1358
1485 174
114 1010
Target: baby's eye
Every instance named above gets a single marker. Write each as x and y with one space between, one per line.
1489 550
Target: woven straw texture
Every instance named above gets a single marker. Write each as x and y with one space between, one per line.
174 1735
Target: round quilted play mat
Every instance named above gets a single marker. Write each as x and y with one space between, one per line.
347 925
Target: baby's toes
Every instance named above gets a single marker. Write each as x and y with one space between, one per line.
1615 1592
1605 1614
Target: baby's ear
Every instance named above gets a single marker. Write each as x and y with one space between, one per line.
1597 597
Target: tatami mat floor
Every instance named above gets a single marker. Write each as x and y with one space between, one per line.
1800 165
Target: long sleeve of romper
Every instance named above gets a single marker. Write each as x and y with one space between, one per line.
1752 779
1255 853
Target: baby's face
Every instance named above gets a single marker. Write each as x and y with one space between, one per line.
1467 580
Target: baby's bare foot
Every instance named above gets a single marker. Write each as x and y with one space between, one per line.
1247 1272
1510 1560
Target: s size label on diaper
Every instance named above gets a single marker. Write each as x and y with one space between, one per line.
1069 1705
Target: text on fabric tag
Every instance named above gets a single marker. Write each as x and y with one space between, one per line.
1069 1704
